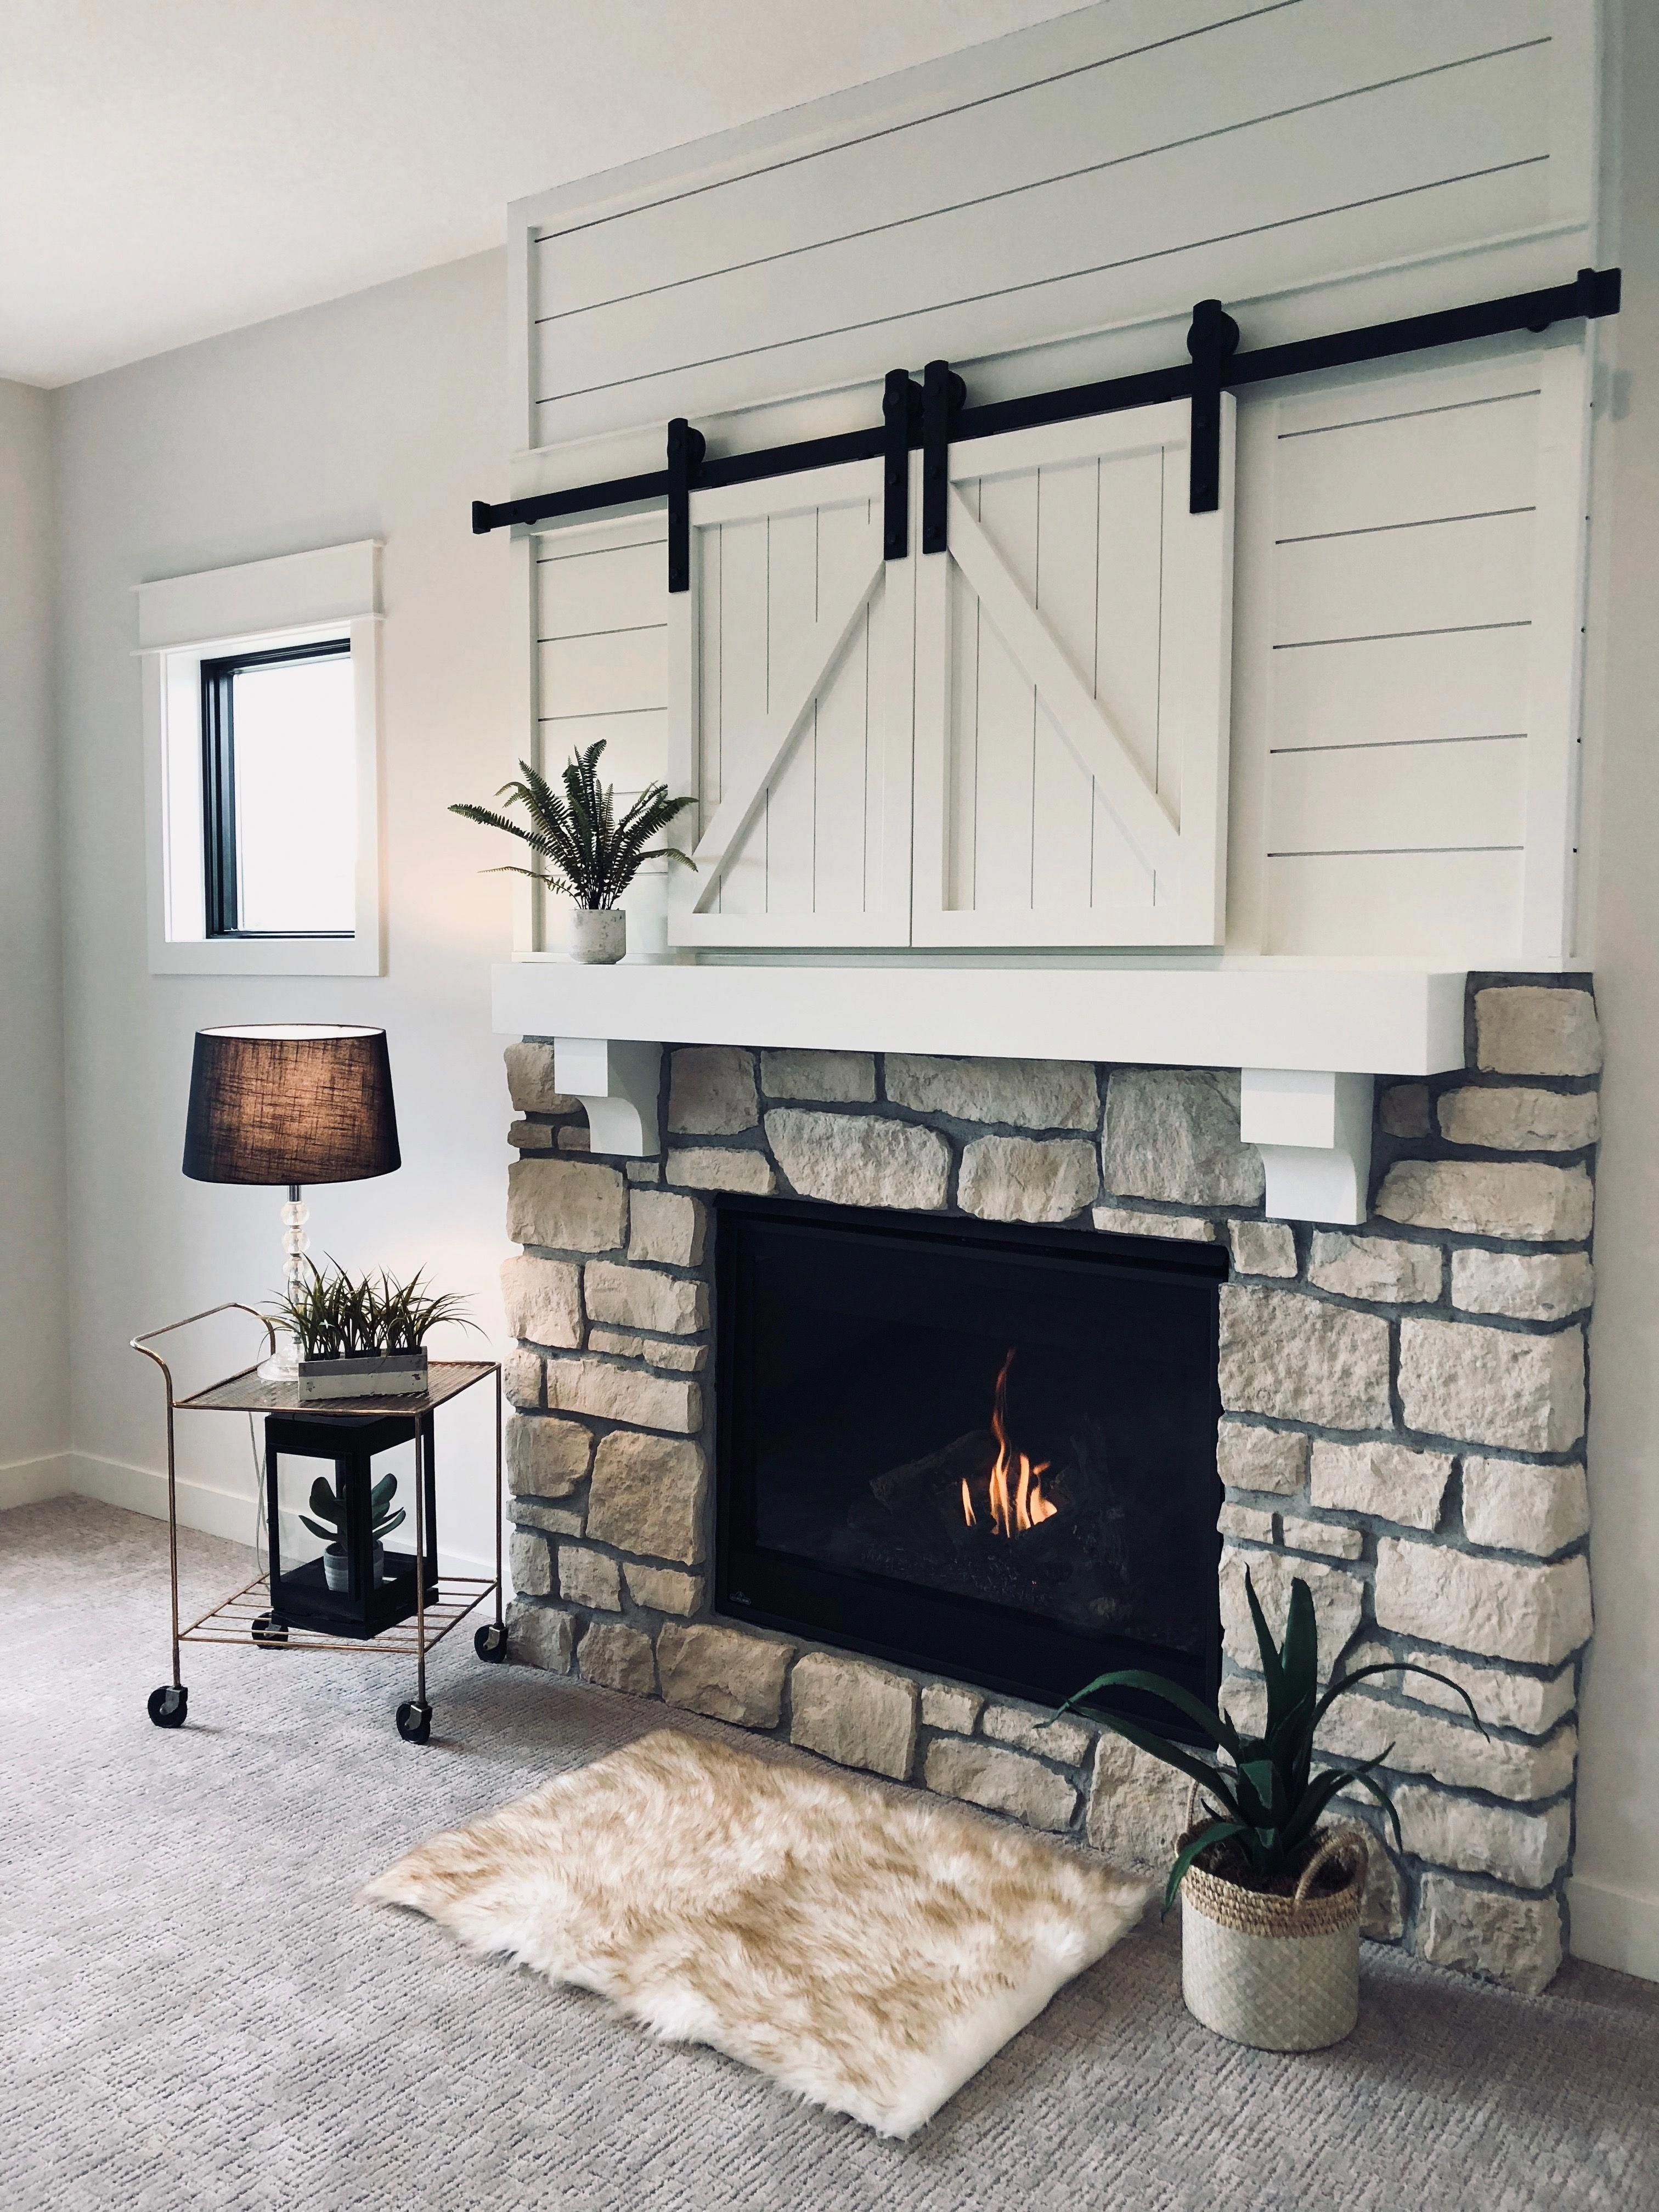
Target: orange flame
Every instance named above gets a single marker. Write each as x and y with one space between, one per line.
1016 1501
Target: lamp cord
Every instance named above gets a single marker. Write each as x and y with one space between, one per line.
260 1561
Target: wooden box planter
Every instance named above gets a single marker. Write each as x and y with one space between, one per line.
377 1375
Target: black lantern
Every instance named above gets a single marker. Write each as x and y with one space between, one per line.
357 1586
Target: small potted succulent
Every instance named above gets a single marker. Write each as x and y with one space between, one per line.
583 850
1270 1901
327 1520
363 1336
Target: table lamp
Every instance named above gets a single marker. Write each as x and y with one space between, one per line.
290 1103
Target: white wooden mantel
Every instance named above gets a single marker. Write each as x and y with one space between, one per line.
1307 1041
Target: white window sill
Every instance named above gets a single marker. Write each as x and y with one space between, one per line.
269 956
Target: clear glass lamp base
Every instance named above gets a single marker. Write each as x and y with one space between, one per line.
283 1364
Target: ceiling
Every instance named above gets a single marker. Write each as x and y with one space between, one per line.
172 168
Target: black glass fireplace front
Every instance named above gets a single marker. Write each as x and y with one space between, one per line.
984 1450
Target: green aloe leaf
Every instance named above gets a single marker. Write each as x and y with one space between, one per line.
1217 1832
1216 1725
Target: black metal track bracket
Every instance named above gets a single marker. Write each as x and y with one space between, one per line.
1212 341
943 397
901 419
686 448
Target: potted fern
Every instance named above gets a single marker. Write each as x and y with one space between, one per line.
1271 1902
580 847
327 1520
363 1336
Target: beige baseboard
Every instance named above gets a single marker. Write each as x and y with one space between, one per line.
1615 1927
29 1481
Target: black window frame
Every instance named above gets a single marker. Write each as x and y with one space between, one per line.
219 855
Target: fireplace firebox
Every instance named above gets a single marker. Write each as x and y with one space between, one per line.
983 1450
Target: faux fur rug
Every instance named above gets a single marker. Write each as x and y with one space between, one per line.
870 1951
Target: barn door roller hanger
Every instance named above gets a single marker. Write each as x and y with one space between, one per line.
935 414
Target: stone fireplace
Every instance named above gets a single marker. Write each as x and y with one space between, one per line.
1400 1403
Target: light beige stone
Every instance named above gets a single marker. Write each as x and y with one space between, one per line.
836 1078
1392 1481
617 1656
529 1562
1527 1849
1328 1538
704 1167
573 1205
1249 1457
643 1171
546 1458
1249 1524
633 1297
1134 1221
711 1090
1538 1615
1337 1598
1514 1506
589 1578
1491 1197
1513 1939
1403 1110
540 1636
1027 1178
1493 1386
1172 1133
576 1137
1025 1094
543 1299
623 1393
1526 1285
648 1496
1452 1752
850 1159
1530 1028
944 1706
551 1520
531 1136
720 1672
1503 1698
1262 1247
1286 1354
1001 1781
529 1082
663 1590
1066 1740
1387 1269
1137 1806
1382 1911
854 1713
666 1229
622 1344
1520 1118
521 1378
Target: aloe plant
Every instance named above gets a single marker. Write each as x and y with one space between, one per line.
335 1315
1266 1799
584 850
326 1508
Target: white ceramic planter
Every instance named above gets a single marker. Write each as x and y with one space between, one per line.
1277 1973
336 1568
597 937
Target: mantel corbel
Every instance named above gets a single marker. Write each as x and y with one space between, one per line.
617 1079
1314 1133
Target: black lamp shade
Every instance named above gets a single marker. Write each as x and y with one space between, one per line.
290 1103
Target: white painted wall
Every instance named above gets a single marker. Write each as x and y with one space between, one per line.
376 417
34 1411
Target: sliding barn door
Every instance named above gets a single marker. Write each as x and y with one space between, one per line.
1072 655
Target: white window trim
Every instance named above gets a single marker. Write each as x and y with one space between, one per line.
331 593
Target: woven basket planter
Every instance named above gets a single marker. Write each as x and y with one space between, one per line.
1279 1974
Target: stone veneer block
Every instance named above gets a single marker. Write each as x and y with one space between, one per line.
543 1299
530 1562
551 1520
575 1137
1133 1221
618 1658
1027 1178
1382 1910
1452 1752
545 1457
530 1137
1137 1806
854 1713
589 1578
704 1167
1513 1939
1250 1522
663 1590
575 1205
633 1297
723 1672
1000 1781
1262 1247
851 1160
1493 1386
834 1078
1026 1094
1529 1029
1531 1703
1536 1615
667 1229
1066 1740
1328 1538
944 1706
1336 1597
521 1378
1526 1285
682 1358
642 1170
711 1090
1513 1506
1527 1849
1172 1133
1392 1481
1521 1199
1248 1457
1385 1269
647 1496
1518 1118
540 1636
623 1393
529 1082
1286 1354
1403 1110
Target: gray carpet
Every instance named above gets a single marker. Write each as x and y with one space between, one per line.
197 2014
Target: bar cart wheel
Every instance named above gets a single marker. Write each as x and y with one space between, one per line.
414 1721
169 1705
267 1629
490 1642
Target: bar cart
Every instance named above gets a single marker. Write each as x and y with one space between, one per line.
405 1614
